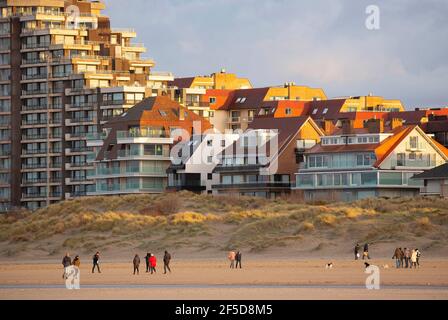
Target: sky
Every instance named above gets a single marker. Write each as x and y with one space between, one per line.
318 43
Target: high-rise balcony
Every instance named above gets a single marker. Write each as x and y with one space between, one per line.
46 107
30 46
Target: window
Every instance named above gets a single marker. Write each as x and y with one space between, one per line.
288 111
325 111
315 111
223 143
210 159
209 176
162 113
153 150
413 141
412 156
243 100
209 143
212 100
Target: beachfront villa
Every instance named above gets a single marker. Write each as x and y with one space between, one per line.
371 162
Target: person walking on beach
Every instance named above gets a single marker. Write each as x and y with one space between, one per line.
414 259
136 263
398 257
66 262
238 258
419 254
232 256
357 249
407 257
166 262
96 262
153 263
401 258
77 262
366 252
148 255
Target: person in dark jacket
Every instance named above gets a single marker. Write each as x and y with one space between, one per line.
96 262
366 252
397 256
166 262
66 262
238 258
136 263
401 258
357 249
148 255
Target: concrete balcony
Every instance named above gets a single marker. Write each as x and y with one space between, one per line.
81 121
160 76
81 106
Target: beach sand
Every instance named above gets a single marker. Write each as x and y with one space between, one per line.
260 279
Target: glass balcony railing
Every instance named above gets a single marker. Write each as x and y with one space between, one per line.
142 133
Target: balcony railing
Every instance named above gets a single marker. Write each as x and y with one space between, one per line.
119 102
44 45
141 134
42 107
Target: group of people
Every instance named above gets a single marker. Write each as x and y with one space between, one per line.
235 259
67 262
150 259
407 258
151 263
365 253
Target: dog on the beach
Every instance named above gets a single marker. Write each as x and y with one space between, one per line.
386 266
329 265
367 264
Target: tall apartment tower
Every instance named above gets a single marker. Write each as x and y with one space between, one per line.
63 73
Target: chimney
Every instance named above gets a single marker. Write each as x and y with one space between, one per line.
374 125
328 127
396 123
181 114
347 126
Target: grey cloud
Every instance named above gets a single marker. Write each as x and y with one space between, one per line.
321 43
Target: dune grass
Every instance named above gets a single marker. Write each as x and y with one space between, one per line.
203 221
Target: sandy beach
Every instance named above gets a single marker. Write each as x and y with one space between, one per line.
259 279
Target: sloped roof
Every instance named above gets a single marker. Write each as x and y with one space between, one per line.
252 99
440 172
182 82
325 109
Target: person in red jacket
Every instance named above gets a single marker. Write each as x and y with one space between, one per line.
153 263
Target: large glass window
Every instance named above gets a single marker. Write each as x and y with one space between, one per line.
369 178
391 178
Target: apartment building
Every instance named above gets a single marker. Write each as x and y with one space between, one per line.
189 91
375 161
134 149
264 160
59 61
236 109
